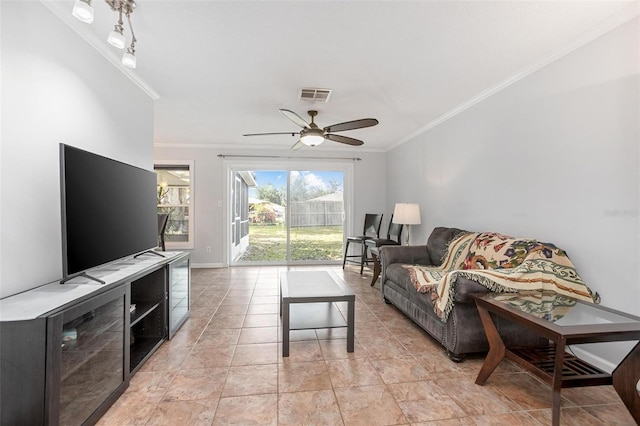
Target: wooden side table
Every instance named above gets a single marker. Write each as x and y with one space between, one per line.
377 268
564 321
374 245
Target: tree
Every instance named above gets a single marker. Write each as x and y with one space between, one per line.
334 186
272 194
301 190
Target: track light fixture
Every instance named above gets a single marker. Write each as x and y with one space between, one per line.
83 11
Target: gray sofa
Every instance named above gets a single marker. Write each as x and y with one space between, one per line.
462 333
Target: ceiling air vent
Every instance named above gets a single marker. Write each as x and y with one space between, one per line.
318 95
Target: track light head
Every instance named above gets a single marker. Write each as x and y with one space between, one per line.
129 58
83 11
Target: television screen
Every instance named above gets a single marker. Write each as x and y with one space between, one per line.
109 210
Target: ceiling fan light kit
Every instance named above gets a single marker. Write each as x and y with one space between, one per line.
312 135
83 11
312 138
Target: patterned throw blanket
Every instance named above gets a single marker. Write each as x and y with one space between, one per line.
502 264
548 306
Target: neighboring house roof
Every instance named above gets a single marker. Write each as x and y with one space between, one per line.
276 207
335 196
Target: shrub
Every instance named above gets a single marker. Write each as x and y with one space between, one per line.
263 214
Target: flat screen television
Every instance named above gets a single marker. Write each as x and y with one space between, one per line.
109 210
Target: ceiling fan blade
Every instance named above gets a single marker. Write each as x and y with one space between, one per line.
297 145
276 133
351 125
295 118
344 139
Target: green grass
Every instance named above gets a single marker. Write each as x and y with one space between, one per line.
268 243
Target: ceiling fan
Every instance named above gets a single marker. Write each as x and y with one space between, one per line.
312 135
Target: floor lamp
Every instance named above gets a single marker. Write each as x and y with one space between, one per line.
407 214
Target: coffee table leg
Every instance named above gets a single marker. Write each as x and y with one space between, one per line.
625 379
284 304
497 349
351 317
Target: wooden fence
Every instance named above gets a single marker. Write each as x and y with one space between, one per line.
316 213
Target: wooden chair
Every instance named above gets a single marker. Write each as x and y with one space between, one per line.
372 223
373 244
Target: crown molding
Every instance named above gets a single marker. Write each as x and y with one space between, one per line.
253 147
625 15
64 14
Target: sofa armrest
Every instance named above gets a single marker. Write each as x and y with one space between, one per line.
465 287
413 255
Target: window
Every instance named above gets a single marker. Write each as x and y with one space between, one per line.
175 190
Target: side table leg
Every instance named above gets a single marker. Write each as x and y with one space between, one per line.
557 381
285 326
376 268
497 349
625 380
351 323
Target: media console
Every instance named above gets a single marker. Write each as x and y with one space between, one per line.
68 350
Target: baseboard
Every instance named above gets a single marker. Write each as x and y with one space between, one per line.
207 265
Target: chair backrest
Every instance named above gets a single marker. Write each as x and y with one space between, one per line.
395 230
372 223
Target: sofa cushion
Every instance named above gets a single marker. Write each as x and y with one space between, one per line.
439 241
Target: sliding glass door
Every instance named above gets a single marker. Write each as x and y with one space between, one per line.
316 215
293 215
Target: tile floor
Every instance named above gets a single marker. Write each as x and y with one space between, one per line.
225 367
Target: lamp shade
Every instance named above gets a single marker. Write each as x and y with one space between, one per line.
407 214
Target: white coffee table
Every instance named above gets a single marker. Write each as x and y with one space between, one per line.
307 302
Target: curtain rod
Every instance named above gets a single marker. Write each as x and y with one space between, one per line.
289 158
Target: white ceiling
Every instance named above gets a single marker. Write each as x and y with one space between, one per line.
224 68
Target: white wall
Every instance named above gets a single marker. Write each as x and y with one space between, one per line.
55 88
554 157
210 202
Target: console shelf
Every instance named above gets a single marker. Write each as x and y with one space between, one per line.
142 310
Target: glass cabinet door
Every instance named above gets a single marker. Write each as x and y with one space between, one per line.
179 289
92 355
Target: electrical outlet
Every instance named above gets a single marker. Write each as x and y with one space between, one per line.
208 249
